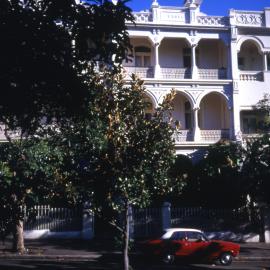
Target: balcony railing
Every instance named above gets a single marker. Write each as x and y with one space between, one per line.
175 73
178 73
251 76
142 17
212 74
213 20
142 72
184 135
214 135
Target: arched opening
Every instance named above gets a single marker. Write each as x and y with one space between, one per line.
182 117
250 57
175 58
214 117
149 106
211 59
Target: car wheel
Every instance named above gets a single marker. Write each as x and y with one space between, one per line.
168 258
225 258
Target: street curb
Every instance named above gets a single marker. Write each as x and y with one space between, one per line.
89 257
243 258
95 255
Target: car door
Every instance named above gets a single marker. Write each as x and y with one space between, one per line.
196 244
179 244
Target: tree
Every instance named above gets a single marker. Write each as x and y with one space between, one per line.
256 169
218 176
30 173
44 50
47 50
264 106
122 156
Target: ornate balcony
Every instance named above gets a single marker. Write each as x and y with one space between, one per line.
175 73
178 73
212 74
142 17
251 76
184 135
142 72
248 18
214 135
213 20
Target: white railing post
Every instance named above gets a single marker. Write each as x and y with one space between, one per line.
166 215
265 61
266 220
194 68
196 129
87 222
157 66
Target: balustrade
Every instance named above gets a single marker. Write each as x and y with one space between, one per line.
214 135
175 73
249 18
251 76
182 136
142 17
213 20
212 74
142 72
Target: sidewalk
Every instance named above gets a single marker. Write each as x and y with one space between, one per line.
73 249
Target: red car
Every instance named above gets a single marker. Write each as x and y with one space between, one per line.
191 244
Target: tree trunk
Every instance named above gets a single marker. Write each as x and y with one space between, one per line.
18 240
126 237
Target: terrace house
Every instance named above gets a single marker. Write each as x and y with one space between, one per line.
219 67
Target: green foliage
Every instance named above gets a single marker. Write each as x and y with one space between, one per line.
217 180
256 169
30 173
45 49
264 106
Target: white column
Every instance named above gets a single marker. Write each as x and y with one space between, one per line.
265 62
194 68
235 89
196 128
236 113
234 61
157 66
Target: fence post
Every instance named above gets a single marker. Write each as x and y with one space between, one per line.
266 217
87 222
166 215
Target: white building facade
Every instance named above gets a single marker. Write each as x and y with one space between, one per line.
218 65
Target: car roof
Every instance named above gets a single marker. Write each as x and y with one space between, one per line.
182 230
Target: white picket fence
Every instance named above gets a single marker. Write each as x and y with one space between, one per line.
44 221
228 224
58 219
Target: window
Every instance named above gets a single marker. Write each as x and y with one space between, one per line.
187 57
268 61
241 63
195 236
178 236
252 121
142 56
